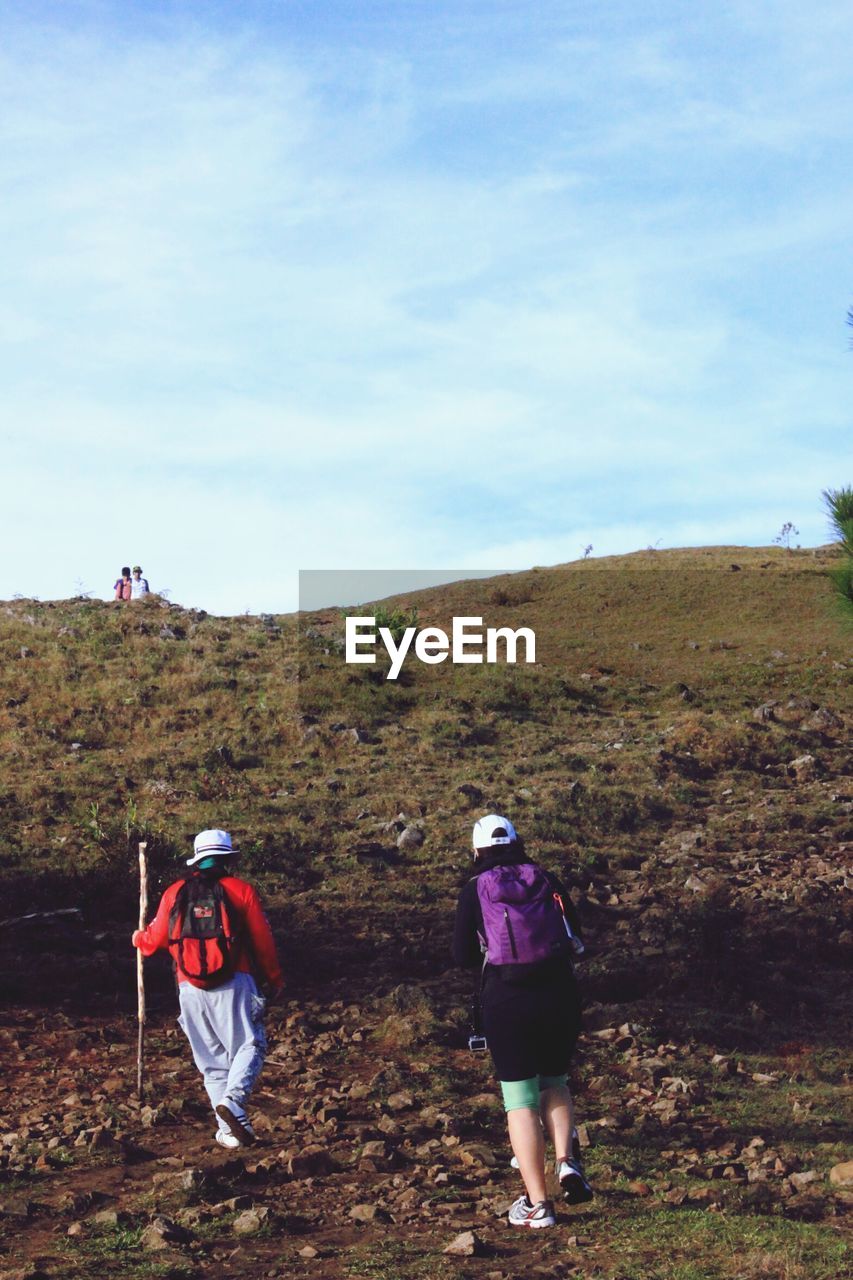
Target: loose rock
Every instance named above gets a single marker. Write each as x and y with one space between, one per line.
163 1233
800 1180
803 768
367 1213
466 1245
251 1221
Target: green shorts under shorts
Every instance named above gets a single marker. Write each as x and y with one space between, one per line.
525 1093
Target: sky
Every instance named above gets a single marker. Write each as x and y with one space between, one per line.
297 286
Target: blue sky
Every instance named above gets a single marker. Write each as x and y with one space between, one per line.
370 286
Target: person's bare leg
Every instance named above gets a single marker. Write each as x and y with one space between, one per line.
558 1117
528 1145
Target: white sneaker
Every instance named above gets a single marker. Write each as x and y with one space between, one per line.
525 1214
572 1179
236 1126
225 1140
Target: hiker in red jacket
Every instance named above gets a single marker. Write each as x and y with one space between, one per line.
222 948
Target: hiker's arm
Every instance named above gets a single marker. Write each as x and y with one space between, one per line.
466 944
262 944
157 934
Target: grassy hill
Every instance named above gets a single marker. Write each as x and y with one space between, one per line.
679 752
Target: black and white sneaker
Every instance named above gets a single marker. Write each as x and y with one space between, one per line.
237 1126
525 1214
572 1179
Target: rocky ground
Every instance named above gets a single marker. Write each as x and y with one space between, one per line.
374 1163
680 756
381 1147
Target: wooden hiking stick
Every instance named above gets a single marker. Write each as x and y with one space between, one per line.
140 973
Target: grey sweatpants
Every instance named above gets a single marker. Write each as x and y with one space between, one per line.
226 1034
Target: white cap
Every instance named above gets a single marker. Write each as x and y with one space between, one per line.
209 844
493 830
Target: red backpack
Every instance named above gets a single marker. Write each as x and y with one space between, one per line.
204 932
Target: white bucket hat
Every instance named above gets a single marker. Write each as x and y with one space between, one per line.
492 831
210 844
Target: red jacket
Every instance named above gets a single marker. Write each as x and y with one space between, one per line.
258 954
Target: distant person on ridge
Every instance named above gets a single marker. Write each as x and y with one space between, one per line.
122 585
215 929
138 584
518 921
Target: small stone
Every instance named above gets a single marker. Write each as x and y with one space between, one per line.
841 1175
234 1205
800 1180
108 1218
162 1233
313 1161
410 838
101 1137
803 768
823 720
465 1245
639 1189
367 1213
250 1221
309 1252
401 1101
75 1229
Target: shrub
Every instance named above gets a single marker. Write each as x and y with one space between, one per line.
839 505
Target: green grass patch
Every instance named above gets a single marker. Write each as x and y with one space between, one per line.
391 1259
692 1244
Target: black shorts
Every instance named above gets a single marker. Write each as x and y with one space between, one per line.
531 1028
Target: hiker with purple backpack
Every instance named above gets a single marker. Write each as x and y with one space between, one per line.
517 920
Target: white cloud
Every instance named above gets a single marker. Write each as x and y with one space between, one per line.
373 303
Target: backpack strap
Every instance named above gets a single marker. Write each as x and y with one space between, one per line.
179 906
176 919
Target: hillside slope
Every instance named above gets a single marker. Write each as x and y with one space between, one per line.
680 752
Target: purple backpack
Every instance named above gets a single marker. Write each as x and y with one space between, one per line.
523 917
